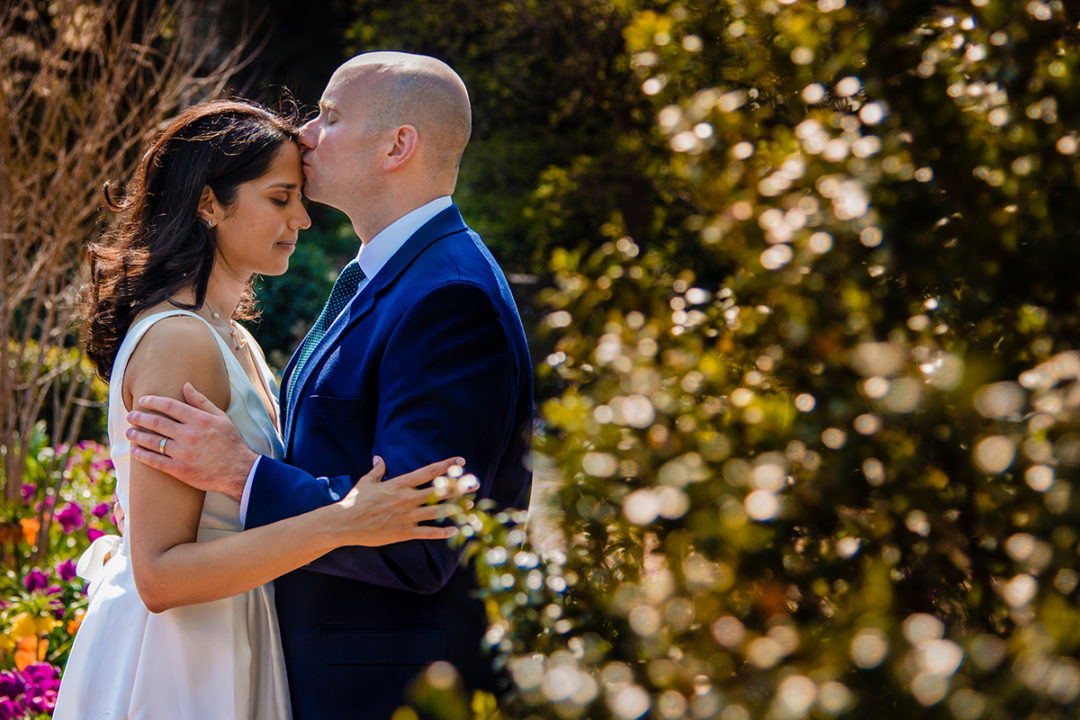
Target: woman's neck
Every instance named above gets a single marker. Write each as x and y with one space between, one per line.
223 296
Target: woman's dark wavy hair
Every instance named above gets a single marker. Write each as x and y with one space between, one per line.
159 246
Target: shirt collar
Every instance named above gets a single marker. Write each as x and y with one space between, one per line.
375 253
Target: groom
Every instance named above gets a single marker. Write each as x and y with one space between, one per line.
425 360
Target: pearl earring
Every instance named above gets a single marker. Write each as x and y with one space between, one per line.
208 222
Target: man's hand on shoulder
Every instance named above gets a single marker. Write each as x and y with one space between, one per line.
195 442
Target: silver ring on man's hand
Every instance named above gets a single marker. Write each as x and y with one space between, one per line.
161 445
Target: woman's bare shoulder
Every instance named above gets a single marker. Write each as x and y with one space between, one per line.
173 351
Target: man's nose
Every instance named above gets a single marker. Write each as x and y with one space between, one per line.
306 138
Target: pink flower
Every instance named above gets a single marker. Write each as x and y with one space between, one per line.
93 533
10 708
36 580
42 682
70 518
11 685
101 510
66 571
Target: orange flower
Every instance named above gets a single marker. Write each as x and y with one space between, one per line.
75 622
30 650
30 527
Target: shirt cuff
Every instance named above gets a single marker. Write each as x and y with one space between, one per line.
245 498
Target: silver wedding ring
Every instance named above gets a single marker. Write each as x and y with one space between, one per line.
161 445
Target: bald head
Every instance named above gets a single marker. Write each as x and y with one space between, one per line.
406 89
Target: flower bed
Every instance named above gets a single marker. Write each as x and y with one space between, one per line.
65 503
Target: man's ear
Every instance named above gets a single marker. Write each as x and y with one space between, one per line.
405 141
210 210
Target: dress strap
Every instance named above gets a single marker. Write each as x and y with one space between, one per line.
135 335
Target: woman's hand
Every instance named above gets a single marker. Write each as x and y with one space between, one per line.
377 512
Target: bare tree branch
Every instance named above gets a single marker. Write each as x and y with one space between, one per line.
84 84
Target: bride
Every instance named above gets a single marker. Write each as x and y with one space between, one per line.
181 620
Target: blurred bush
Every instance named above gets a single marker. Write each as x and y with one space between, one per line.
838 481
558 144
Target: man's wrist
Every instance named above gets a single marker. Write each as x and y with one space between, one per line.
245 498
238 480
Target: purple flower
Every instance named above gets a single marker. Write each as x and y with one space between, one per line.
11 685
42 702
11 709
70 518
28 490
101 510
35 580
42 682
93 533
42 676
66 571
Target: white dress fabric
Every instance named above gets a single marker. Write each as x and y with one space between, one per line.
220 659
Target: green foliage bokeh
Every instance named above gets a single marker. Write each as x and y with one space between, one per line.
835 481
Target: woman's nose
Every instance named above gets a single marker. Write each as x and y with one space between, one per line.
302 221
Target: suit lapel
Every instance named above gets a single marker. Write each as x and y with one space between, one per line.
447 222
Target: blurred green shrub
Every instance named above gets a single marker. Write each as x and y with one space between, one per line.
838 481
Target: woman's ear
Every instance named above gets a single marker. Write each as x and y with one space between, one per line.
210 210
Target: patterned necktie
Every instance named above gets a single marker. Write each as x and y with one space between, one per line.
344 290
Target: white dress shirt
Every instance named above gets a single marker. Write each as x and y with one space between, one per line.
372 257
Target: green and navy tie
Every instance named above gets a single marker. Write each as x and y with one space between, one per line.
344 290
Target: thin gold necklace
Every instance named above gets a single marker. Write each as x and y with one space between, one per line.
238 339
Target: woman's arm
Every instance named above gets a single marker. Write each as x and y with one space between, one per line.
172 569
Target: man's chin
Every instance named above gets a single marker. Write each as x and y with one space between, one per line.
312 193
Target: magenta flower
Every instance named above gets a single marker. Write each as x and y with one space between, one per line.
28 490
66 571
99 468
36 581
11 685
101 510
42 702
42 682
42 675
70 518
93 533
11 709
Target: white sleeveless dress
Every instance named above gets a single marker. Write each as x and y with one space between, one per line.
220 659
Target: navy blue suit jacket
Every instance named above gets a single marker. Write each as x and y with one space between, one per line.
429 361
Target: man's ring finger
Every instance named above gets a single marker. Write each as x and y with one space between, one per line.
161 445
